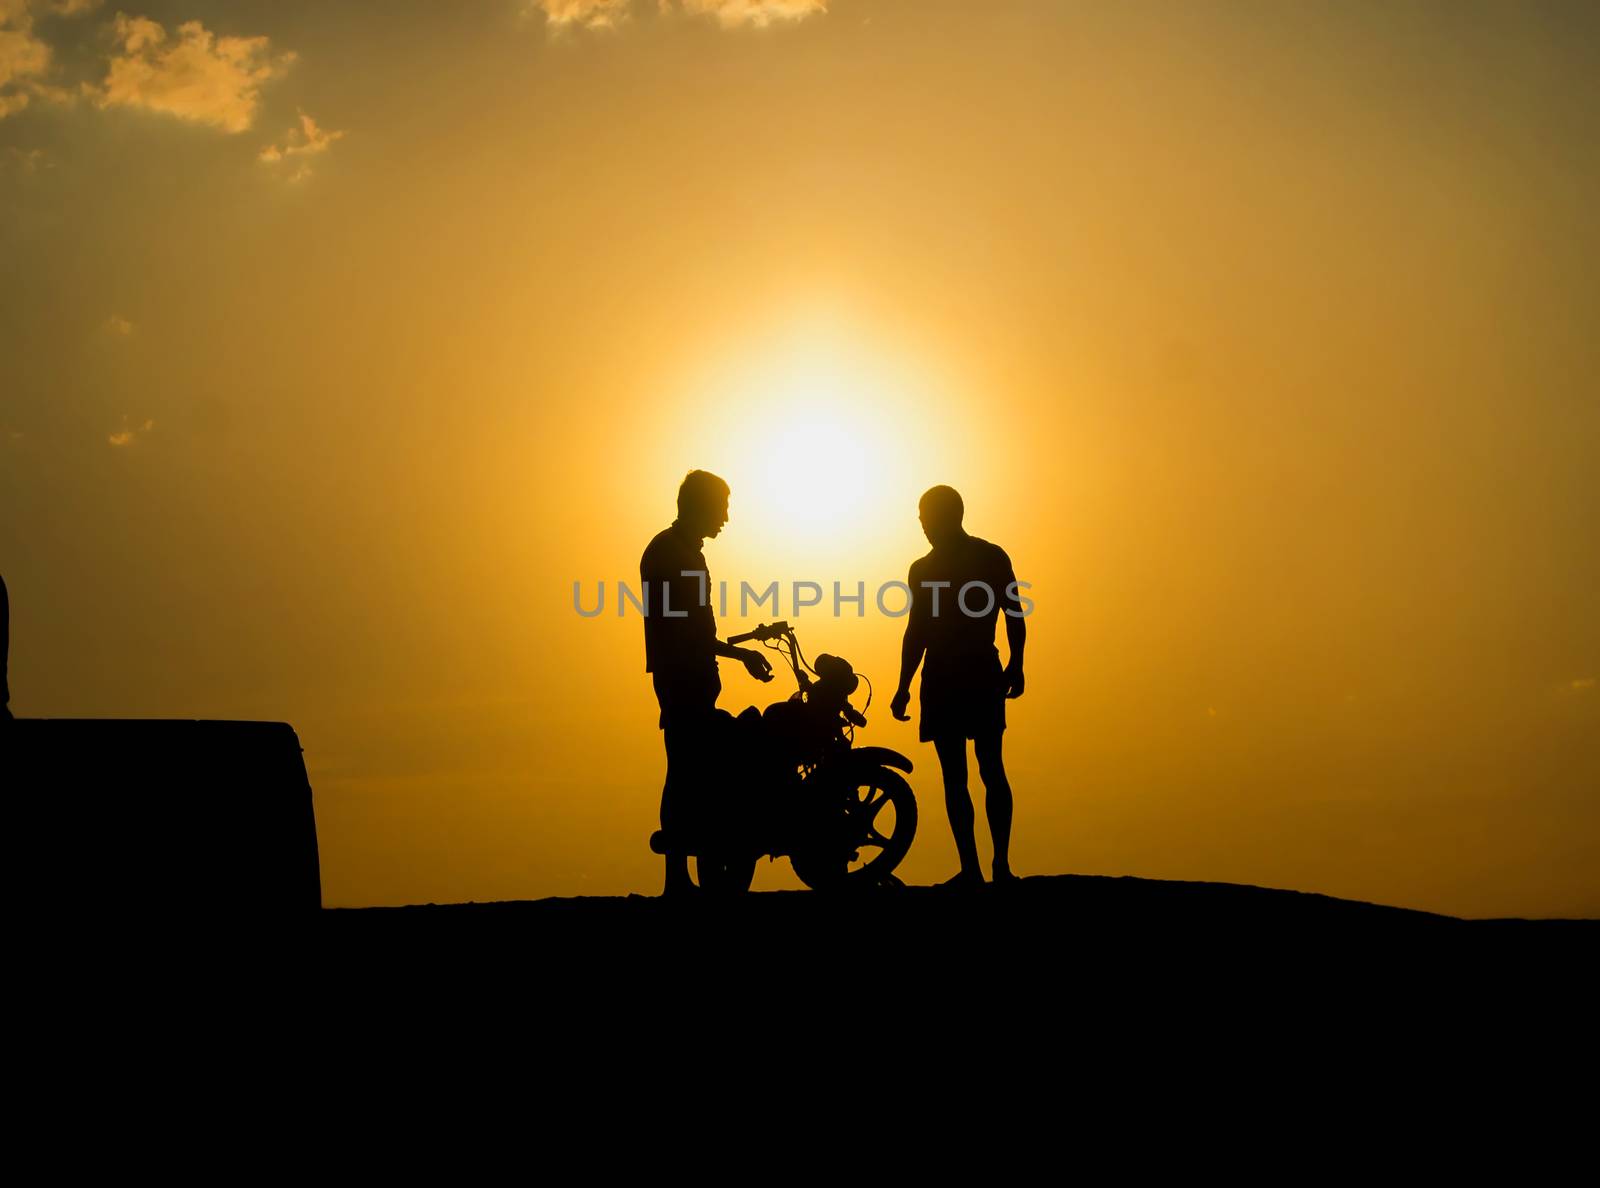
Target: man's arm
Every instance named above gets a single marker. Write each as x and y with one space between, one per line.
755 663
1016 631
912 646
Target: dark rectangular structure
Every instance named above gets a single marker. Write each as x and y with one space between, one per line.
160 816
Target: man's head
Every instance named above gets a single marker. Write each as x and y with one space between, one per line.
940 511
703 503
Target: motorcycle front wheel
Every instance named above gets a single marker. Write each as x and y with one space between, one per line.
880 819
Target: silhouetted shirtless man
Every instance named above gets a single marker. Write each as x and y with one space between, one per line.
681 650
957 592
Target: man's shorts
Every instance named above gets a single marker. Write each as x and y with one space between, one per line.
966 699
686 698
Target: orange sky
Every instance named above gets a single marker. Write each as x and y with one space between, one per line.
337 342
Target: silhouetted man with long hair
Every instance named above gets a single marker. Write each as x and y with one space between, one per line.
681 649
957 592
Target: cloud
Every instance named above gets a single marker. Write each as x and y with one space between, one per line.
307 140
24 58
758 14
1582 684
118 326
198 77
582 14
129 434
730 14
25 160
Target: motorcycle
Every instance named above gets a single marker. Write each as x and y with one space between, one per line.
791 783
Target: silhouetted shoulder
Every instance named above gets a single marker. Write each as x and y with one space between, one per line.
653 550
991 553
667 555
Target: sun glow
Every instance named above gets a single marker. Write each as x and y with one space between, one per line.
817 472
823 446
826 437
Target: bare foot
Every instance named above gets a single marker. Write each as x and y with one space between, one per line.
964 880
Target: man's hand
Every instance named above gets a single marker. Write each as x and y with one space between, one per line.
1013 682
756 664
897 707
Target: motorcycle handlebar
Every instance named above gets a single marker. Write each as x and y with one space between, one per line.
763 632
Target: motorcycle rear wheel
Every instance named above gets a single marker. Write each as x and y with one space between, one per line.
723 875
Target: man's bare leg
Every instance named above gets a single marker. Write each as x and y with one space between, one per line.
952 750
997 800
677 882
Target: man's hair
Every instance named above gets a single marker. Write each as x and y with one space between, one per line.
942 503
699 490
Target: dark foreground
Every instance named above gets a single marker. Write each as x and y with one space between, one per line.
1031 933
165 880
1052 976
1123 992
1058 907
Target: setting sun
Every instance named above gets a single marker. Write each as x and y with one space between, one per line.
825 434
819 472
